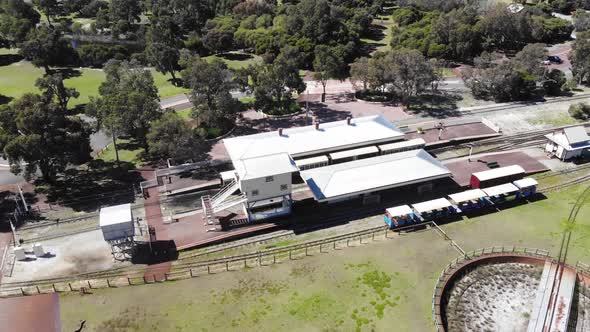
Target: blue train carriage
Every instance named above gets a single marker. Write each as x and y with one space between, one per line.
501 193
526 187
434 209
470 199
399 216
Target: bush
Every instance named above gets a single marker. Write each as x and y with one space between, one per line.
373 95
554 82
96 55
580 111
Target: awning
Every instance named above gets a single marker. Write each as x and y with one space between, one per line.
413 143
311 161
354 153
399 211
435 204
502 189
468 195
526 183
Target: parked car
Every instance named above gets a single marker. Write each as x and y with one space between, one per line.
554 59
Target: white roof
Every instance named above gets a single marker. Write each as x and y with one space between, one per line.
311 161
354 152
573 138
432 205
398 211
576 134
259 167
373 174
467 195
403 144
505 188
499 172
525 183
307 140
228 175
117 214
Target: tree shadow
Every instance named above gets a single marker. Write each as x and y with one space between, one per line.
8 59
5 99
235 56
67 73
375 32
438 105
100 184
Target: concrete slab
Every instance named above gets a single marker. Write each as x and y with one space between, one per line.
30 313
454 133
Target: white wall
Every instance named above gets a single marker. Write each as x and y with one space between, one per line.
266 189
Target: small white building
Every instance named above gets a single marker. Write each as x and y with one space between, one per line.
567 143
116 222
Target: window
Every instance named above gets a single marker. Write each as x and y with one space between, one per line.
270 179
254 192
284 187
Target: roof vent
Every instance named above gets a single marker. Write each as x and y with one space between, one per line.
348 120
280 131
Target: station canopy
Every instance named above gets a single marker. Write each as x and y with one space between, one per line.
468 195
526 183
305 141
416 142
502 189
312 161
354 153
435 204
373 174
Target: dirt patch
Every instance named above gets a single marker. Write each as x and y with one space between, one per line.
493 297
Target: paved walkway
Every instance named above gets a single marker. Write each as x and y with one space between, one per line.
155 219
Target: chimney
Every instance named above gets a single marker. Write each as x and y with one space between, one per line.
348 120
280 131
317 125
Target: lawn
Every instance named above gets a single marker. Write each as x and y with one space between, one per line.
380 41
384 285
235 60
128 151
19 78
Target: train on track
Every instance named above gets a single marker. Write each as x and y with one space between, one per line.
469 200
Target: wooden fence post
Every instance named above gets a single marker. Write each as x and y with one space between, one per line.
290 255
227 265
334 244
274 259
144 280
347 242
38 290
191 271
373 236
89 285
108 283
208 269
386 233
306 251
22 291
129 281
70 285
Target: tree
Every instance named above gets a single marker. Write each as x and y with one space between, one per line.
128 102
554 82
274 84
327 64
220 33
46 47
123 14
37 135
54 90
580 57
359 72
17 19
531 59
48 7
411 73
210 84
163 44
171 137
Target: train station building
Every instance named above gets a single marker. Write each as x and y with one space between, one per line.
335 161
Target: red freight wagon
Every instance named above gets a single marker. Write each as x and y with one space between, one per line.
496 176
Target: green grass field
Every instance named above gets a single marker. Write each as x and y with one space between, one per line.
127 152
19 78
385 285
236 64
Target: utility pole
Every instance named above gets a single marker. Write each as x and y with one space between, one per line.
20 190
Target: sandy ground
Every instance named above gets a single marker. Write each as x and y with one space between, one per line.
494 298
85 252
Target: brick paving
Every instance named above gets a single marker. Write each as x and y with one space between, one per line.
38 313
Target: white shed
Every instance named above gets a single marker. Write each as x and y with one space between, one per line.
567 143
116 222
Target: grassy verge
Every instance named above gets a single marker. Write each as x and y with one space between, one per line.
371 287
128 151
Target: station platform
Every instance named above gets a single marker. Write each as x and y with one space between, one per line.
454 134
463 169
